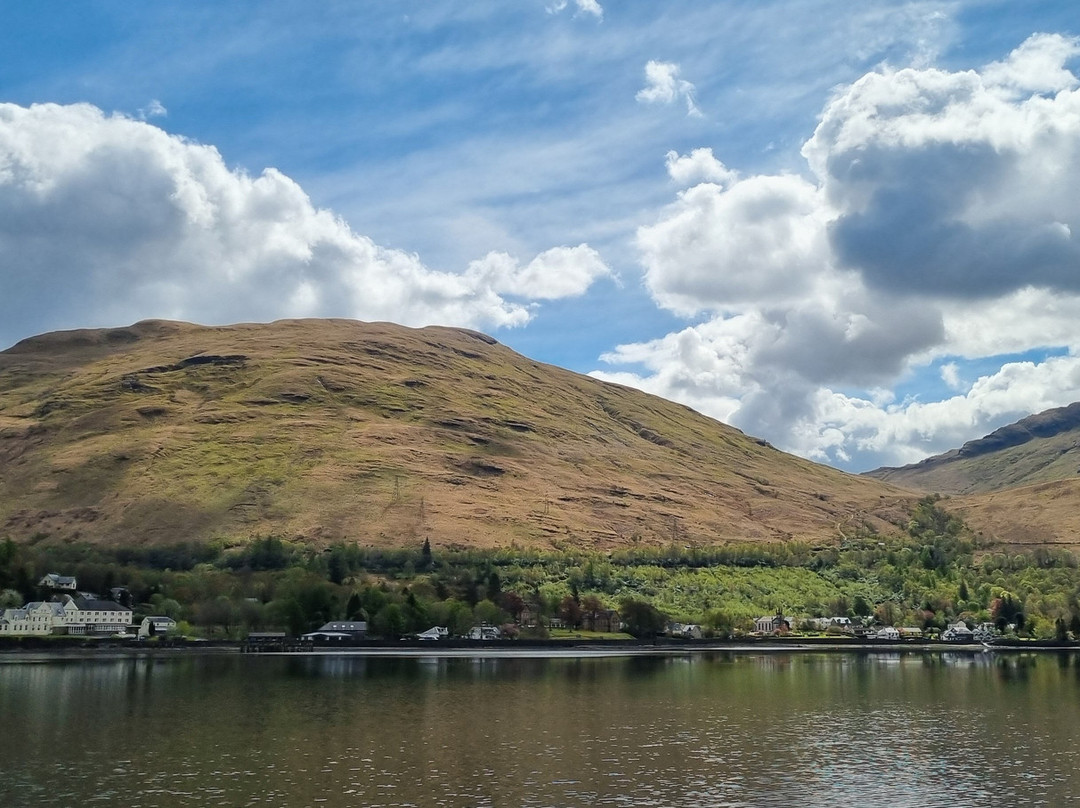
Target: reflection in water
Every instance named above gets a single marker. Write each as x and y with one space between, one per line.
717 729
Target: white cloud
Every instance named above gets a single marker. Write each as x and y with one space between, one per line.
583 7
105 219
698 166
907 432
556 273
759 239
1037 66
590 7
946 184
155 109
950 374
663 86
938 218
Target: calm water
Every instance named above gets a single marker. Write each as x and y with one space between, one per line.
712 730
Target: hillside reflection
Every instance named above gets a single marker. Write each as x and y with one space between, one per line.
714 729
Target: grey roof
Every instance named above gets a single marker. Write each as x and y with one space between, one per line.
59 580
344 625
94 605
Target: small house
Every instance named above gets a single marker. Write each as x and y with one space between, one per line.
434 633
684 631
958 632
484 632
774 624
156 626
54 581
341 632
528 617
607 620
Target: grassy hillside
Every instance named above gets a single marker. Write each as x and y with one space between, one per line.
1041 448
1018 486
334 430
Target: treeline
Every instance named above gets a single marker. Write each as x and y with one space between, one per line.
928 577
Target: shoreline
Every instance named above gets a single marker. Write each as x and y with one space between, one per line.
526 650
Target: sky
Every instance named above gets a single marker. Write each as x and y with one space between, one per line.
852 229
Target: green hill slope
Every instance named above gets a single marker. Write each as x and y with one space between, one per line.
331 430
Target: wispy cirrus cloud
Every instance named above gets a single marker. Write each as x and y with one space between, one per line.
583 7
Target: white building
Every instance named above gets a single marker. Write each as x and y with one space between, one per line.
67 616
772 624
54 581
958 632
156 626
484 632
14 621
825 623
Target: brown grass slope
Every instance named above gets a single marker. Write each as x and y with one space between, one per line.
333 430
1019 485
1038 449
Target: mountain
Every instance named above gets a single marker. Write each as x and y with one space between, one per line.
329 430
1038 449
1019 485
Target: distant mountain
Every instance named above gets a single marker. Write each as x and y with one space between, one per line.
1019 485
328 430
1038 449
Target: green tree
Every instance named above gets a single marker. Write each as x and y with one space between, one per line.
570 611
416 614
642 619
487 612
1061 631
389 623
337 566
494 586
354 609
861 606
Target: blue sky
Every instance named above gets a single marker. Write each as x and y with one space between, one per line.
848 228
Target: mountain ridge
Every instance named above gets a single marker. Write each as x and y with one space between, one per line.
1043 447
334 430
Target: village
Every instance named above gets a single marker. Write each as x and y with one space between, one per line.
67 611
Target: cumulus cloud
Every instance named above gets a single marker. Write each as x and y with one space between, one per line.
717 247
105 219
951 183
698 166
663 86
841 425
556 273
937 217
